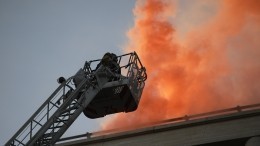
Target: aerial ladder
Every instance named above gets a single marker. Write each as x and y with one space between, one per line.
96 92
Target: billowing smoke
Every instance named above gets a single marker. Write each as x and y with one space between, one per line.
194 66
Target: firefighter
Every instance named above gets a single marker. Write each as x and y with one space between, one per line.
110 60
114 66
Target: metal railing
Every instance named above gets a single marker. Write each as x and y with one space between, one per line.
126 62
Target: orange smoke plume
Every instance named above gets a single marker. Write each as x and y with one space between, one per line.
215 65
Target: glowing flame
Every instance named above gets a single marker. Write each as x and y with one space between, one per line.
214 65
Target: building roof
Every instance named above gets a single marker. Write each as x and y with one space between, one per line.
236 124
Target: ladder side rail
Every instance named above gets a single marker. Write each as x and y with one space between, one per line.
50 121
28 122
84 101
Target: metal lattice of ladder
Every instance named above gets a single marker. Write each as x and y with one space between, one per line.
55 115
67 102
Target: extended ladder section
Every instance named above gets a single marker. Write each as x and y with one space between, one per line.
55 116
75 95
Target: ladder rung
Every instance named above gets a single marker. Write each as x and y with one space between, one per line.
44 141
66 114
55 127
49 135
69 109
59 120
